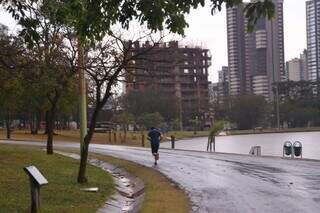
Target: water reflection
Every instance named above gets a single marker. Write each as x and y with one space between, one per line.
271 144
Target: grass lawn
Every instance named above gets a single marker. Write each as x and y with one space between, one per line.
162 196
62 194
133 138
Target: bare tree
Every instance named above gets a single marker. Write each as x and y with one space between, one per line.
106 66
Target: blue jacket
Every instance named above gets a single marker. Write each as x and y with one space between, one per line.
154 136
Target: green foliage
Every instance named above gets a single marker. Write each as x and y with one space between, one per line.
257 9
216 128
124 119
299 103
11 91
298 116
174 124
148 120
248 111
92 20
29 77
151 101
11 78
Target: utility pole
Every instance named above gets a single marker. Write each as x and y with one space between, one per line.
275 80
277 103
177 83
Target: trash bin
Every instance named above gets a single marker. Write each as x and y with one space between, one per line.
297 149
287 148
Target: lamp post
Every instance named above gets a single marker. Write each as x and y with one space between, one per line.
276 103
277 106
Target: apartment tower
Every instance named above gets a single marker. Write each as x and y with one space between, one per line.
256 59
174 69
313 38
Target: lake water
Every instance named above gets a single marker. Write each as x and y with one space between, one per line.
271 143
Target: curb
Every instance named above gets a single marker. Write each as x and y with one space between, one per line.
129 194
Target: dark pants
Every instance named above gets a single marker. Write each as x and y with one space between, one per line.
155 147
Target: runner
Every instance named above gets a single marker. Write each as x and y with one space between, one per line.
154 136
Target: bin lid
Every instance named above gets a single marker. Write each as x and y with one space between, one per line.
287 144
297 144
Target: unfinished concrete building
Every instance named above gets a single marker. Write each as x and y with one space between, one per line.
174 69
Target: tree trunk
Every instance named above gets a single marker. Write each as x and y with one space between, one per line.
38 123
47 122
83 160
8 125
85 148
35 123
125 134
50 124
30 116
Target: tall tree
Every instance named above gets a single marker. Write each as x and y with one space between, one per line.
248 111
92 21
106 66
54 55
299 103
151 100
13 60
124 119
148 120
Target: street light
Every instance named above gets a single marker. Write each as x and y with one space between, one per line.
276 89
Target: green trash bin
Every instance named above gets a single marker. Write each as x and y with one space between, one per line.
297 149
287 148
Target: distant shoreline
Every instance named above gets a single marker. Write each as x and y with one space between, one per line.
271 131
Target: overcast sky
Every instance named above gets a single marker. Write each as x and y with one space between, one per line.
210 32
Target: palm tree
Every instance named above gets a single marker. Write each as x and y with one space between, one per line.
216 128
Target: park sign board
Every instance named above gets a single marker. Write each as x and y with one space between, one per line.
36 175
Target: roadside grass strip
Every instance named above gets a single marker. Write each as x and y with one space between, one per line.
62 194
161 195
116 138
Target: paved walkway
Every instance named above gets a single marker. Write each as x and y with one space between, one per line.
231 183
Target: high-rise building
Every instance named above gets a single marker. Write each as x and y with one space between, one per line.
173 70
256 59
294 70
223 85
213 93
224 74
304 65
313 37
236 49
297 68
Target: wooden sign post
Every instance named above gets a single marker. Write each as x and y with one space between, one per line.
36 181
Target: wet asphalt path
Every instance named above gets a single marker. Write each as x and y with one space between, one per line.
231 183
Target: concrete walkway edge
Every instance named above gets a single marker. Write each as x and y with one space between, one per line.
129 194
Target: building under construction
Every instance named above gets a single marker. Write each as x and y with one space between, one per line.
173 69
